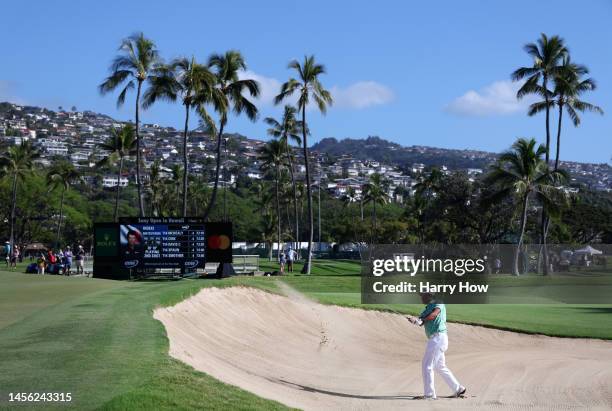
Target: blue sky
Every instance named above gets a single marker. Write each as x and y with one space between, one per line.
426 73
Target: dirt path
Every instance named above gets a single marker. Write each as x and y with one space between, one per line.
313 356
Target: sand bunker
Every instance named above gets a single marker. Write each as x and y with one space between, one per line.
313 356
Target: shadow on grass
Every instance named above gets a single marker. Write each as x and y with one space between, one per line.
591 310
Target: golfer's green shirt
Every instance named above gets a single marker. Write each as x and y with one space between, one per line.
438 325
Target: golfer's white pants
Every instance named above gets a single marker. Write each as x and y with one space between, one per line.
434 360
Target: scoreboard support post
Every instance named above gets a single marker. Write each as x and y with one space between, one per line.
225 270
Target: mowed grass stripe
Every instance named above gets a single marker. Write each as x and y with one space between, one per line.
106 349
21 294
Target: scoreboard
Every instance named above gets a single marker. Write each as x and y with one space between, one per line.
145 244
163 243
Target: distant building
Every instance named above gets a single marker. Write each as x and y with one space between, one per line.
254 174
110 181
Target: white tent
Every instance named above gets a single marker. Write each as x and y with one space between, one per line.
588 250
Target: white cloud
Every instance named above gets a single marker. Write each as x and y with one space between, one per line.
498 98
361 95
356 96
268 86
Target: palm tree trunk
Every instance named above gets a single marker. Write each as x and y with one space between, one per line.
319 212
374 222
288 214
558 137
295 200
545 84
13 207
545 245
185 160
59 222
118 188
521 235
217 171
361 205
177 194
307 267
278 213
138 154
545 217
544 222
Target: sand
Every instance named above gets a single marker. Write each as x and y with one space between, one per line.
312 356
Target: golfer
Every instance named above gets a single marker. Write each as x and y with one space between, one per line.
433 318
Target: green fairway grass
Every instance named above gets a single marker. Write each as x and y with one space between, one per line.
562 320
97 339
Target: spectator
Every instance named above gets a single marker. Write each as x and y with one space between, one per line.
498 265
41 263
67 261
51 260
282 259
290 259
14 257
7 251
80 258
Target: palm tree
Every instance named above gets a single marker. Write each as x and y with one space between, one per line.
286 198
417 208
430 184
138 58
376 192
272 155
156 185
121 144
264 203
16 163
301 194
198 190
309 88
568 87
286 131
227 68
522 172
267 232
349 197
177 177
547 55
194 84
62 174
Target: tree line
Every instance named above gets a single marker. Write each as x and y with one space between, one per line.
523 178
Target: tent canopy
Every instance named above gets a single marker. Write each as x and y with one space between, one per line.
35 247
588 250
